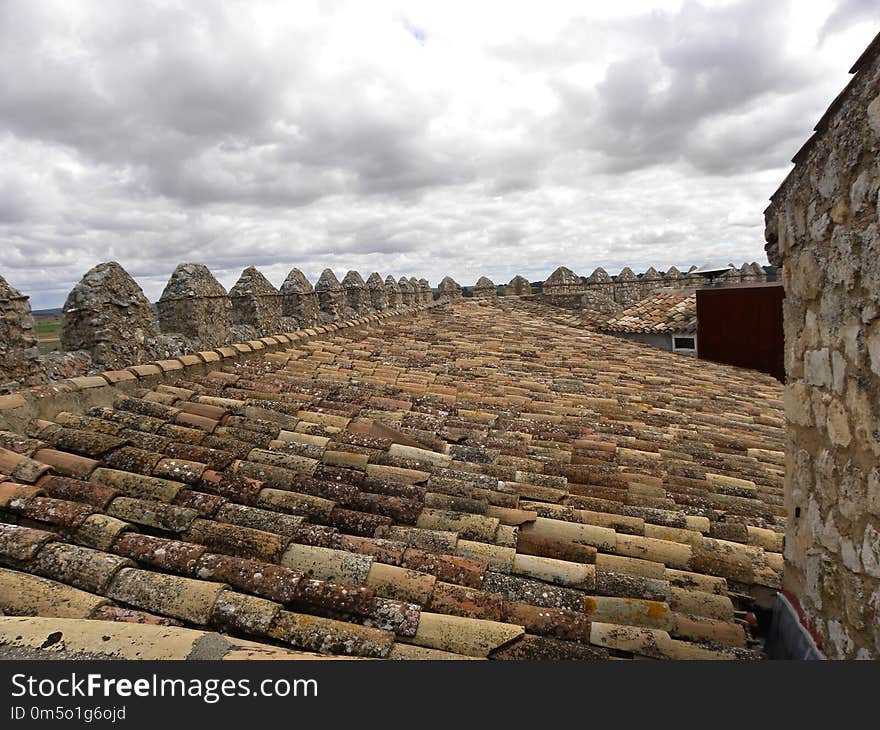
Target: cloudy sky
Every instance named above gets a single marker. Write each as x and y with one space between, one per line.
413 138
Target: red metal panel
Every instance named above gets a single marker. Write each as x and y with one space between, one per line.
742 325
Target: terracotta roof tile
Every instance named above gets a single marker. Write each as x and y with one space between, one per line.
20 544
434 487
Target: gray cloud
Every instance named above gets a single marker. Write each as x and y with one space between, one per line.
848 13
691 91
358 136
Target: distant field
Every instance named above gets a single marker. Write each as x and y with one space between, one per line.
48 329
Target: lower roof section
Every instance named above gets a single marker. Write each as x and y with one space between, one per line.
483 480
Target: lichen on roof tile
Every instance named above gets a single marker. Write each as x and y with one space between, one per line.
445 484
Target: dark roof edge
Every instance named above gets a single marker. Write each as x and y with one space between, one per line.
867 55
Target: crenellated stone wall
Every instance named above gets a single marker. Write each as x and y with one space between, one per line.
518 286
822 228
331 297
256 306
406 291
108 323
392 290
195 305
299 302
601 292
650 282
427 294
107 315
356 299
19 359
417 294
627 291
485 287
376 292
449 289
560 285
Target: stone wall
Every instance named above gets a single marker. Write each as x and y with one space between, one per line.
107 315
331 297
561 283
392 291
299 302
19 360
822 228
427 294
650 282
627 291
417 294
518 286
108 323
256 306
195 305
356 300
449 289
406 291
485 287
601 292
376 292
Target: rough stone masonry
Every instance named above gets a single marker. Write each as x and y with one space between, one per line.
196 305
19 364
299 302
108 323
256 306
822 228
107 315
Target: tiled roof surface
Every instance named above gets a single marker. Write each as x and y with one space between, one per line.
659 313
477 481
552 315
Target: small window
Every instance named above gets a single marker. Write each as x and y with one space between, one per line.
684 343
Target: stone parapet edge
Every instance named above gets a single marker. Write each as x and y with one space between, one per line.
78 394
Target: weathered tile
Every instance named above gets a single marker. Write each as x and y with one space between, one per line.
560 623
449 568
531 543
474 637
82 567
181 598
238 612
275 582
100 531
400 584
171 555
29 595
628 611
461 601
332 596
158 515
259 519
243 542
543 648
58 512
515 588
137 485
20 544
331 637
397 616
328 563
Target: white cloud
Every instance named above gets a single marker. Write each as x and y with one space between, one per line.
416 138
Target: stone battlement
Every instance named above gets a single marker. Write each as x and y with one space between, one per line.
107 323
605 293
